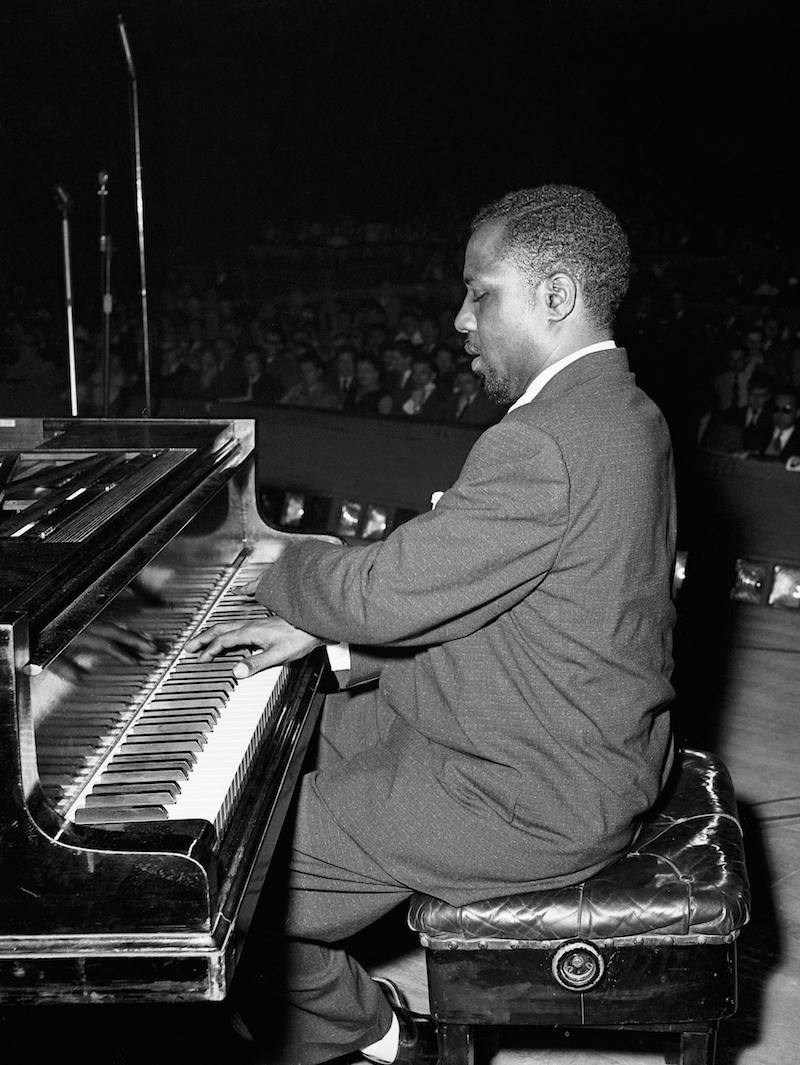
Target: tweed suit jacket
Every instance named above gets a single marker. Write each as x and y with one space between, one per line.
521 634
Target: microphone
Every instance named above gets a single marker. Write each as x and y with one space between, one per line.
63 198
102 178
127 48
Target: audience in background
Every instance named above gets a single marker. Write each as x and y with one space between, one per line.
390 350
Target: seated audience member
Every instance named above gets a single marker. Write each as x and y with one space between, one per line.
205 382
470 404
785 441
425 401
278 363
755 419
445 362
370 396
730 384
346 378
409 329
254 386
193 375
397 358
743 430
178 367
312 390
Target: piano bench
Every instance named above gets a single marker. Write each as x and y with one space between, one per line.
649 944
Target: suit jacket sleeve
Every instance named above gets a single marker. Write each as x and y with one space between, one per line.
489 542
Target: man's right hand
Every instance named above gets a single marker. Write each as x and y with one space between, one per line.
277 641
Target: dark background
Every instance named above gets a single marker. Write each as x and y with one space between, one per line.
254 110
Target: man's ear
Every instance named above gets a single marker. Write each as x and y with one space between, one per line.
561 295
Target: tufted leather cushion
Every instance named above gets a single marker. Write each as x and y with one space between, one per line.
684 876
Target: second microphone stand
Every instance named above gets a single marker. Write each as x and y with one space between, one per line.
105 281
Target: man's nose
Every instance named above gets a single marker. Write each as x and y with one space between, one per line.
465 319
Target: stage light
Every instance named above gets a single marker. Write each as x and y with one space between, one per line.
349 517
293 509
785 589
679 571
376 521
751 580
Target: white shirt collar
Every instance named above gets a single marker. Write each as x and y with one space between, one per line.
538 383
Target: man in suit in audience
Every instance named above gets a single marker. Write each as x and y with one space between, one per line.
742 431
784 440
470 404
399 379
425 401
346 379
755 419
508 651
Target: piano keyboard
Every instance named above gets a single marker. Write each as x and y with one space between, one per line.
184 751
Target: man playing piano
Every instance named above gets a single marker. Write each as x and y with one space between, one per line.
517 640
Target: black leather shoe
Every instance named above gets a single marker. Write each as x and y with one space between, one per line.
418 1042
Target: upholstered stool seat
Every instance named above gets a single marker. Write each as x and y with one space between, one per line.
647 944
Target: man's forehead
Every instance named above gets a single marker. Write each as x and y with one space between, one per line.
483 255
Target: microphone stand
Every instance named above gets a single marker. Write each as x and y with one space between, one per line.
105 282
63 202
137 151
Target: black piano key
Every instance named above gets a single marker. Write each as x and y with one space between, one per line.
193 703
209 686
156 763
169 728
73 750
193 739
141 776
66 732
137 753
154 745
107 815
208 718
141 795
217 667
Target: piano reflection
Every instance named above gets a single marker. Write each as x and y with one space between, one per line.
141 791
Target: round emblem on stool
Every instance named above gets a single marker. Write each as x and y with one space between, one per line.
578 966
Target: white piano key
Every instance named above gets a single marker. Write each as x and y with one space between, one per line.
230 747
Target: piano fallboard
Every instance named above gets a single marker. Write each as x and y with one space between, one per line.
106 894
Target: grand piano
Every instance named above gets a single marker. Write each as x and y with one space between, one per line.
140 799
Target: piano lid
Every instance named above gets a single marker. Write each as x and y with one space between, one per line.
84 503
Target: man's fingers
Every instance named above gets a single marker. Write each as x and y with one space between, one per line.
273 640
255 663
219 638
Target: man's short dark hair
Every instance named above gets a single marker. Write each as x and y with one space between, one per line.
563 228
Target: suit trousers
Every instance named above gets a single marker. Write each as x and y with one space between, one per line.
304 999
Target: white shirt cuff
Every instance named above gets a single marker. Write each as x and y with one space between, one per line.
339 656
